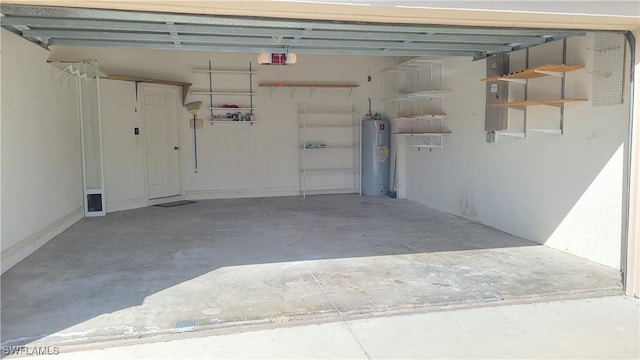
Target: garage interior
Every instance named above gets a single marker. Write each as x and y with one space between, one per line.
278 232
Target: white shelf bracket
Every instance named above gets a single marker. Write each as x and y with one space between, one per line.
551 73
512 134
350 92
519 81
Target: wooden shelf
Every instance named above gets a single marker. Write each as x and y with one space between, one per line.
562 101
525 103
534 72
312 86
185 85
231 109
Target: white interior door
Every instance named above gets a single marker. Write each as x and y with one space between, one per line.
160 114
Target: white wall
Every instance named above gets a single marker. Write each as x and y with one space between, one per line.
562 191
235 159
122 149
41 152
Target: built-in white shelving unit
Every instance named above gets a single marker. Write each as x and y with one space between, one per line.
329 150
419 113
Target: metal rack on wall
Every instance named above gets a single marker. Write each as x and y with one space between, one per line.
243 113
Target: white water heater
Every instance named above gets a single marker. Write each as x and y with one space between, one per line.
375 156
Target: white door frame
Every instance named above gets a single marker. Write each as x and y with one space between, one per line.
141 93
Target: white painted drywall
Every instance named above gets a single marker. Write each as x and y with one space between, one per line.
123 150
41 152
235 160
562 191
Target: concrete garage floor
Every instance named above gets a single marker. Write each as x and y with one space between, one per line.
233 264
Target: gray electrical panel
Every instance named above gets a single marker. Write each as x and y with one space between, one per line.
497 92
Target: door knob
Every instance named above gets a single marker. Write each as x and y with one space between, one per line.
176 147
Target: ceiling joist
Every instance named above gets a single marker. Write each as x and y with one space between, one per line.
51 26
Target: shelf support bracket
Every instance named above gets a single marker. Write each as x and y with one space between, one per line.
551 73
519 81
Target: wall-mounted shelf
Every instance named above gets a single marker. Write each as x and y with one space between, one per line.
230 122
245 95
423 133
426 132
419 117
418 95
330 147
523 77
549 131
512 134
523 104
312 86
231 109
221 93
427 146
557 70
413 64
184 85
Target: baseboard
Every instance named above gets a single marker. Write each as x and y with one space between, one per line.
24 248
240 193
331 191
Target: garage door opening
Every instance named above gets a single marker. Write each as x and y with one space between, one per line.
528 207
